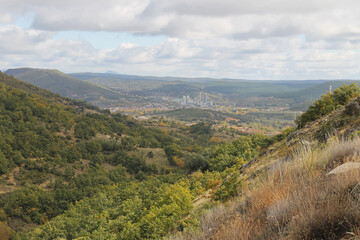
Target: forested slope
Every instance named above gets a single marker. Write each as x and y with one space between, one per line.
63 84
53 151
67 170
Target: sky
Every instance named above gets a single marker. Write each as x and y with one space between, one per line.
244 39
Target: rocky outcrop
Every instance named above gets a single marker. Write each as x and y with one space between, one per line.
345 168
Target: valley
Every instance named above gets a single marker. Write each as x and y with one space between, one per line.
179 120
267 106
71 170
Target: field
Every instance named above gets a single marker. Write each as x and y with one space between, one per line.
159 157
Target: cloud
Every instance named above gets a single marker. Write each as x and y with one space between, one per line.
272 58
268 39
195 19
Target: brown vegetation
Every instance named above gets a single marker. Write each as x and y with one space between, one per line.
294 200
5 231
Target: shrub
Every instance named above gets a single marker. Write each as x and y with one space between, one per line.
5 231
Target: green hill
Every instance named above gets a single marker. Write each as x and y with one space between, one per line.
63 84
15 83
244 88
142 85
255 88
314 92
243 92
55 151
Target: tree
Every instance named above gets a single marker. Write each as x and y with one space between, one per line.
328 103
198 161
201 128
171 151
150 154
345 93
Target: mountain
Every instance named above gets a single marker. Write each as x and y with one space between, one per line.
242 92
314 92
122 77
140 85
221 86
111 72
250 88
248 93
63 84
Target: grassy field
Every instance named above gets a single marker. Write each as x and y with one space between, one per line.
159 158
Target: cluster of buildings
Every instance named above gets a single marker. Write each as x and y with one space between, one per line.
199 101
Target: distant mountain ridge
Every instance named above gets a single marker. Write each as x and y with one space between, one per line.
314 92
111 89
178 86
63 84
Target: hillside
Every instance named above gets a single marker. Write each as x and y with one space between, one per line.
342 123
63 84
70 170
314 92
15 83
142 85
256 87
55 151
123 82
303 187
147 85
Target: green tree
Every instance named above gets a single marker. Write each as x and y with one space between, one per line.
328 103
345 93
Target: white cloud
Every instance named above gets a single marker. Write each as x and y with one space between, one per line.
230 38
272 58
195 19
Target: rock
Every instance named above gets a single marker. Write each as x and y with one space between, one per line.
346 167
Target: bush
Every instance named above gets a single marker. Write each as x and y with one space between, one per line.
5 231
198 161
150 154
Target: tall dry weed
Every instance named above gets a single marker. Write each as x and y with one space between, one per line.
295 200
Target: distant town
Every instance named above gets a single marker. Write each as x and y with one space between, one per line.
199 101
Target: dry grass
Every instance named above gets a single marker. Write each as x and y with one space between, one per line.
295 200
159 158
